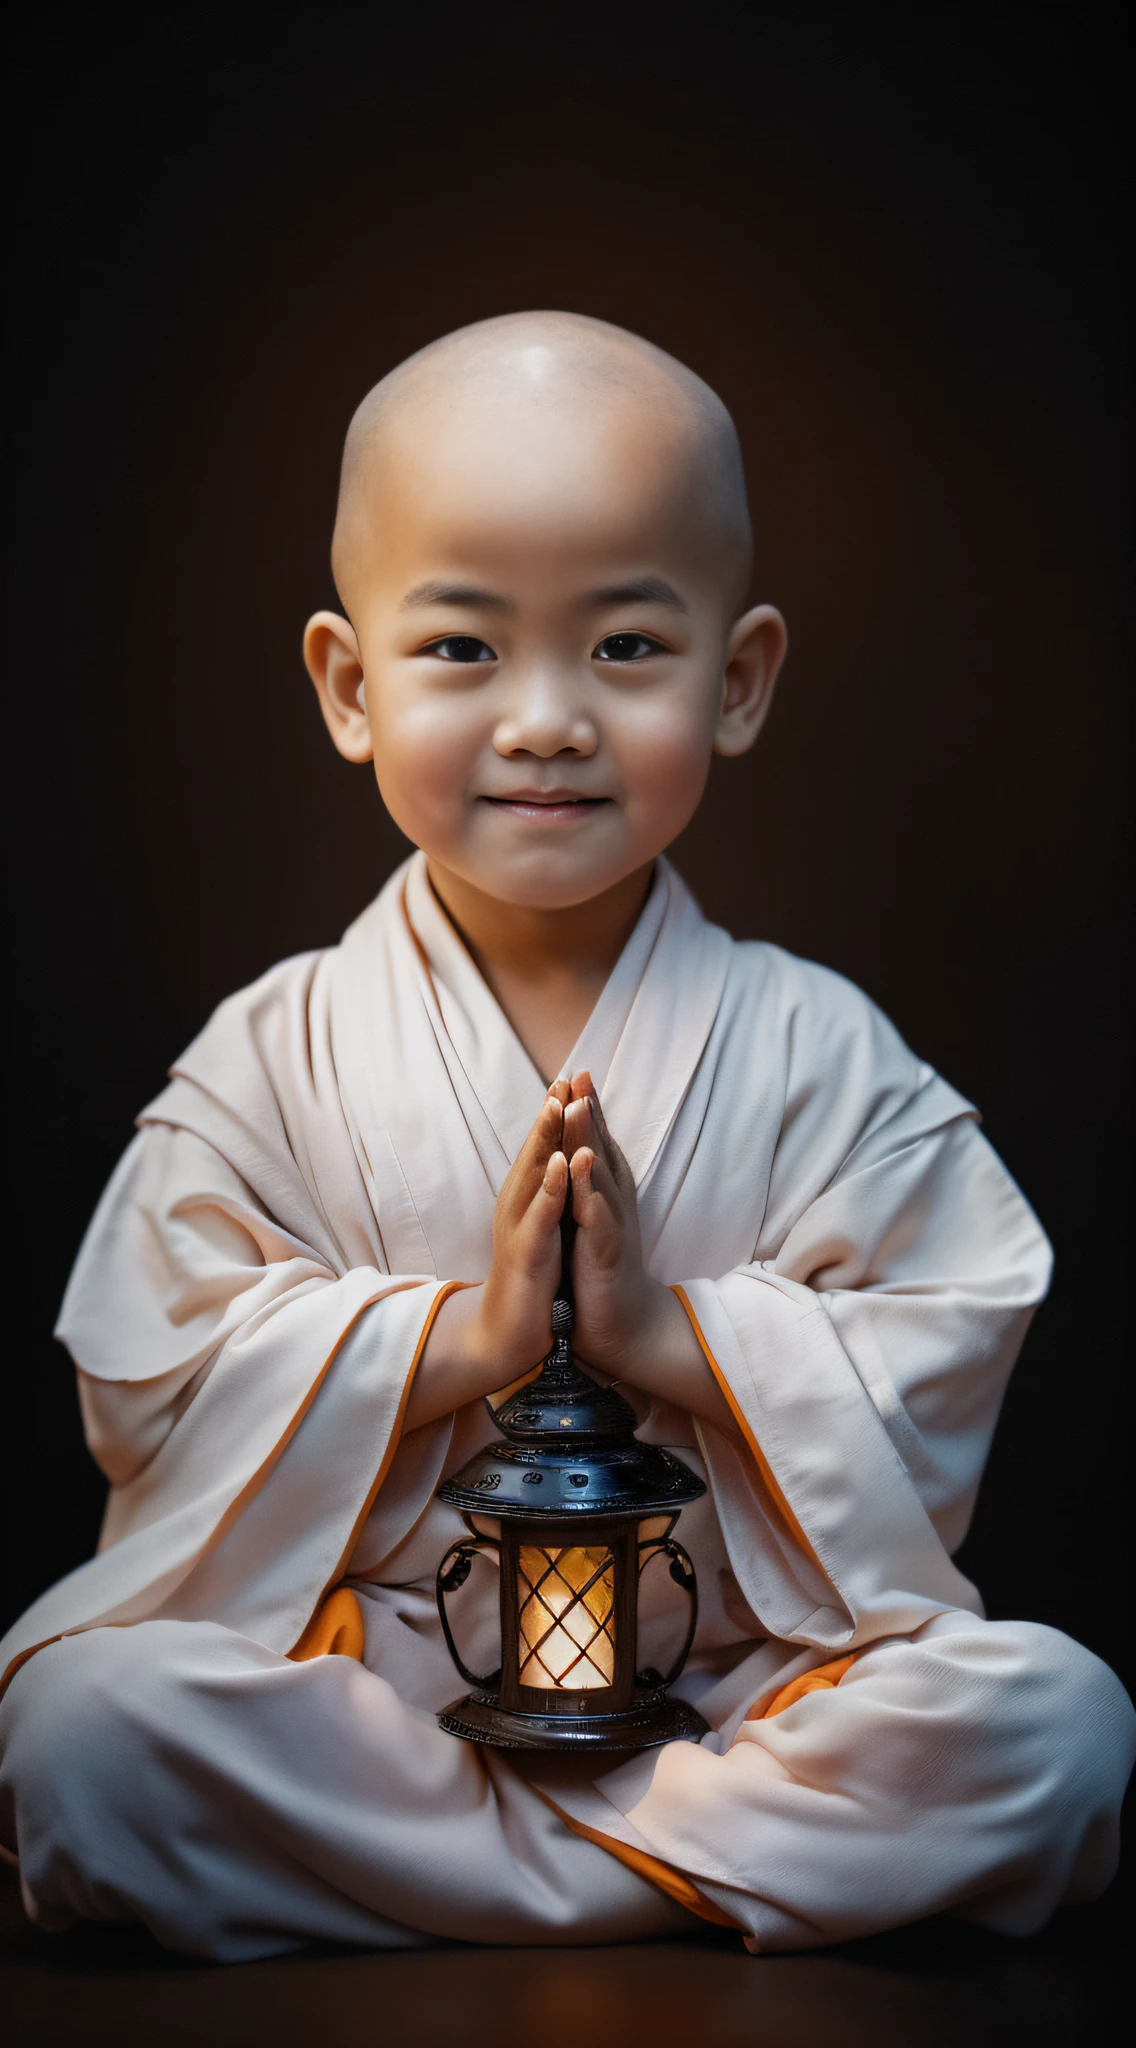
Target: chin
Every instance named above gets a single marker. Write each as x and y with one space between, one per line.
539 887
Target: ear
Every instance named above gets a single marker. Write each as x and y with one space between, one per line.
335 665
754 653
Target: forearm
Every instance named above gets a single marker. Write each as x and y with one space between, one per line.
462 1360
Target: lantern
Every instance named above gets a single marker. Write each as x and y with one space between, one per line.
569 1488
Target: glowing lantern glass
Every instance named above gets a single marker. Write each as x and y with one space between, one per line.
568 1488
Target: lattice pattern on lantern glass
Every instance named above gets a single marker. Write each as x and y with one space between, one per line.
566 1602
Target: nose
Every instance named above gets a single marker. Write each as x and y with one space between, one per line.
545 716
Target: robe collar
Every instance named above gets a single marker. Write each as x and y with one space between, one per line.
641 1044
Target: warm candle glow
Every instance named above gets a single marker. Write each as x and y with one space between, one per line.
567 1617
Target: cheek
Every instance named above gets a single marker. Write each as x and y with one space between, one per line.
425 753
663 756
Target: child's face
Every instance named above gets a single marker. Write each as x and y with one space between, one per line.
544 646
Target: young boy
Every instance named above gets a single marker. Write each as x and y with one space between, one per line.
338 1228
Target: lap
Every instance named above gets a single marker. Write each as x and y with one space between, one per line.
235 1801
205 1688
339 1807
963 1698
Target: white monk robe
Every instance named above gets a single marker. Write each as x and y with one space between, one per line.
246 1315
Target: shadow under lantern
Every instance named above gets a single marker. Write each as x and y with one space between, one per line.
569 1489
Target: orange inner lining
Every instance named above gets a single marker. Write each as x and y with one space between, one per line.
663 1875
335 1629
821 1679
341 1623
781 1505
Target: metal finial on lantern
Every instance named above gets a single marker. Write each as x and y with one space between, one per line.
569 1486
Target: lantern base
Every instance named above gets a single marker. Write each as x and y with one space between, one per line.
653 1718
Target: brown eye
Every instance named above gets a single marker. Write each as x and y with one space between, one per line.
461 647
626 647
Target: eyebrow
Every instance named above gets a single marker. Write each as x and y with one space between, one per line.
455 594
640 590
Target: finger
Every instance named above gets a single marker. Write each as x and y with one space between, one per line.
606 1145
603 1183
580 1133
580 1171
545 1134
601 1123
562 1091
584 1092
578 1126
592 1180
597 1215
544 1139
529 1167
584 1124
538 1230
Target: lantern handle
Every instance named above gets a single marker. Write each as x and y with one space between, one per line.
453 1572
683 1574
566 1290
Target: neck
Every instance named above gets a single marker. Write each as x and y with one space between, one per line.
523 939
547 968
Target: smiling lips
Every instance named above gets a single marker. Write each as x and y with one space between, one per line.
547 806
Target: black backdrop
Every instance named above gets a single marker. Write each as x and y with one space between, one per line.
891 242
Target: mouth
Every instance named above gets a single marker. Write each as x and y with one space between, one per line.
547 806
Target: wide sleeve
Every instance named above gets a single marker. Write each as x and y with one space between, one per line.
864 1357
243 1396
179 1258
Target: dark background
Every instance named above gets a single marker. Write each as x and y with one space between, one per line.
892 242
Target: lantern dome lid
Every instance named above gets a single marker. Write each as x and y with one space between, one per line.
569 1449
564 1403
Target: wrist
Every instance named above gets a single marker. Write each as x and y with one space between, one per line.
659 1340
508 1331
453 1342
644 1331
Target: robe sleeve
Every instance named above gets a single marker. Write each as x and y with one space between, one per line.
243 1397
180 1258
865 1361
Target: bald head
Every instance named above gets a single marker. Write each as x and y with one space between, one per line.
543 402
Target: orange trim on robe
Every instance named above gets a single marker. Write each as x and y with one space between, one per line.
340 1632
18 1662
822 1678
663 1875
781 1505
236 1507
315 1629
335 1629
